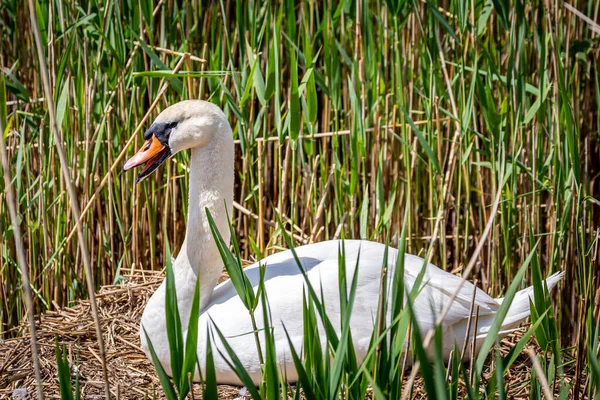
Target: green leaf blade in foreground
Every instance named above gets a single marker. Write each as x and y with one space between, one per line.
345 341
236 274
191 344
294 110
271 374
235 364
426 370
165 382
303 377
173 323
501 314
210 383
64 374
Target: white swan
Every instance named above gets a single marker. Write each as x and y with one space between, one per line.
203 128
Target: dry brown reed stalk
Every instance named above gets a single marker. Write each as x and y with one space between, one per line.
469 321
12 208
592 25
74 203
344 132
540 374
272 224
175 53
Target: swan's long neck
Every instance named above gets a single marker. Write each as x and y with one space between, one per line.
210 187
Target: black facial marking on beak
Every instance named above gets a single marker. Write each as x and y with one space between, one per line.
161 130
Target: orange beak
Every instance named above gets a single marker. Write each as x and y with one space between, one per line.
153 153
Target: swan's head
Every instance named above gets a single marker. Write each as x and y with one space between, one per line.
185 125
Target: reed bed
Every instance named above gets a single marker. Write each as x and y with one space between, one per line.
347 117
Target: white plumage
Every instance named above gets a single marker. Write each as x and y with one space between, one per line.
203 128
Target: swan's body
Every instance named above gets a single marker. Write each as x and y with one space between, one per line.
202 127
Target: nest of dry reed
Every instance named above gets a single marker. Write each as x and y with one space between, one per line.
131 375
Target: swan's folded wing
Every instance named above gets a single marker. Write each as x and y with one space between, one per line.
437 288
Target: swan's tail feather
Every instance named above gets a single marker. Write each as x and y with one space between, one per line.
517 313
519 309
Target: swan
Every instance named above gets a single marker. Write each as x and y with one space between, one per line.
203 128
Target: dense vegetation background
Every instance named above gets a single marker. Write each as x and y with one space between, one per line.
345 115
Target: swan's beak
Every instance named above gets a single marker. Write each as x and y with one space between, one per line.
153 153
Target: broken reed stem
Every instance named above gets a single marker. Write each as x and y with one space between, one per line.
469 321
175 53
85 255
12 208
594 27
345 132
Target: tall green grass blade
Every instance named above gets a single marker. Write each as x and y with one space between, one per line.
499 375
271 372
236 274
501 313
294 102
377 392
173 323
540 305
417 344
210 383
441 20
454 374
595 372
64 374
439 372
314 358
165 382
235 364
424 144
516 350
191 344
303 378
61 105
345 343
